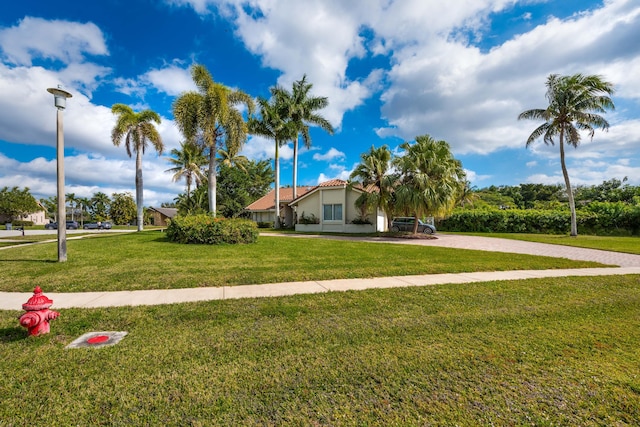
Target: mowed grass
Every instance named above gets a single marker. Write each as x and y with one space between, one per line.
629 245
148 261
562 351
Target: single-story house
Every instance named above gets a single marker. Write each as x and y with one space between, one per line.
264 209
159 216
38 217
330 206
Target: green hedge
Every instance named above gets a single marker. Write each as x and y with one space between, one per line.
603 218
21 223
204 229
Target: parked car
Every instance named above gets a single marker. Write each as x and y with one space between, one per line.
70 225
406 224
106 225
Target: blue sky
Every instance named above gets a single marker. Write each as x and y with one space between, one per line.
461 71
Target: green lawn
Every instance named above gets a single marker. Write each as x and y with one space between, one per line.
562 351
148 261
629 245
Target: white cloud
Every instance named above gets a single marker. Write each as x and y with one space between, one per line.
172 80
332 154
65 41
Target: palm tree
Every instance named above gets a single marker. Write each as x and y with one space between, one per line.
71 199
138 131
430 178
300 108
574 102
467 195
209 116
187 163
373 174
230 159
272 125
100 206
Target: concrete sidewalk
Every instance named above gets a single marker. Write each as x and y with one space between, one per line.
14 300
629 264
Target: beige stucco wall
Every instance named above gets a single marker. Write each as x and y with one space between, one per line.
347 198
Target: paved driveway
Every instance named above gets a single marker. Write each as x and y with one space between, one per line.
501 245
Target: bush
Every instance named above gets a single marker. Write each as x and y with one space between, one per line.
21 223
263 224
311 219
361 220
204 229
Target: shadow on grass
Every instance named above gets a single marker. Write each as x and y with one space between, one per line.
46 261
8 335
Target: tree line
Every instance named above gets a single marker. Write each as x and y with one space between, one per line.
424 179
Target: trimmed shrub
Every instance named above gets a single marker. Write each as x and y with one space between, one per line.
21 223
263 224
600 218
204 229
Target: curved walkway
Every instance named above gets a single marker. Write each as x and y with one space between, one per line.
627 264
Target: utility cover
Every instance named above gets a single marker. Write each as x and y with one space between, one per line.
97 339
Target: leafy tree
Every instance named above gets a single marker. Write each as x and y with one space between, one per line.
574 102
138 131
16 203
209 116
188 163
240 188
123 208
300 108
373 172
260 178
274 126
51 206
612 190
430 178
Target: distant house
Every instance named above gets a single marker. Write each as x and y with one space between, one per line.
38 217
264 209
332 205
159 216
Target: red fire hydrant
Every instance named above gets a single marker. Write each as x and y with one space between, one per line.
37 317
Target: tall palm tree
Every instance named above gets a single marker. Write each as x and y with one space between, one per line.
209 116
70 198
430 178
187 163
574 102
272 125
138 131
373 173
301 109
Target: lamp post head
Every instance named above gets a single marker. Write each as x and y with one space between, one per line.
60 97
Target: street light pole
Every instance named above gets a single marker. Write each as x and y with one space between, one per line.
60 102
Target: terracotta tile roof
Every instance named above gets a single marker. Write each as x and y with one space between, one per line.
333 183
267 202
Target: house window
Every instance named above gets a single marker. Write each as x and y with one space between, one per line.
332 212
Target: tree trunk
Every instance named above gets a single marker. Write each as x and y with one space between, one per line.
139 187
295 168
277 201
212 180
565 173
415 223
